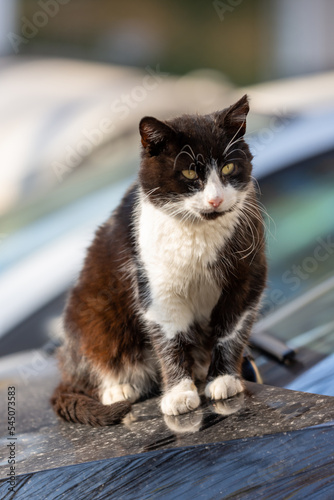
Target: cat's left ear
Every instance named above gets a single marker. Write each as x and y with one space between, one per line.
233 120
154 134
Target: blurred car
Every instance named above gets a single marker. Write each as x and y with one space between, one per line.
292 141
253 446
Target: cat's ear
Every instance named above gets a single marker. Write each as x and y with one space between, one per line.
154 134
233 120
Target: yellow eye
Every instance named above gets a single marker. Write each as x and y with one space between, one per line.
190 174
228 168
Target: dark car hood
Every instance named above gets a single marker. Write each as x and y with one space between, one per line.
267 438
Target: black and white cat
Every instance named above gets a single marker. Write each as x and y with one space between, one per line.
172 282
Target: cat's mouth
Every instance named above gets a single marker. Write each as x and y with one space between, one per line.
213 214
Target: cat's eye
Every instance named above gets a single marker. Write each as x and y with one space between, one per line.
228 168
190 174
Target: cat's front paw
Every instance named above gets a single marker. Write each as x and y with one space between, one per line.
121 392
180 399
223 387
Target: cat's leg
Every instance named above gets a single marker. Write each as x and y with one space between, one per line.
180 393
225 369
170 319
133 382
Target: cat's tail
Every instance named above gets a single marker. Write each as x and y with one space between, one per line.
79 408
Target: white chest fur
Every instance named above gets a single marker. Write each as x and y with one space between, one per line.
176 255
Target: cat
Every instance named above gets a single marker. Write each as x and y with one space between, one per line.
172 282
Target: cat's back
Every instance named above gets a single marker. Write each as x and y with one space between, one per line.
114 240
109 267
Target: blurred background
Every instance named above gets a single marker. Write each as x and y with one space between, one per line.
76 76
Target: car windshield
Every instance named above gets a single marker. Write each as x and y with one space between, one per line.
39 220
300 201
298 305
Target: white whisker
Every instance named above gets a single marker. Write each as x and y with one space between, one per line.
234 150
231 141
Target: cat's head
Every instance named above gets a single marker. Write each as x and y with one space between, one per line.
197 167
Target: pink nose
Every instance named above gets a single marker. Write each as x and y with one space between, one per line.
215 202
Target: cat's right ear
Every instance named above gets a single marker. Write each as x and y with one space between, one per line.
233 119
154 134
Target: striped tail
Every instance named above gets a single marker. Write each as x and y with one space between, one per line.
79 408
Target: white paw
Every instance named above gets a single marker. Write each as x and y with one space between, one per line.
119 392
223 387
181 399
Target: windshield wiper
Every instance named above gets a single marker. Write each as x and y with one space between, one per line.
272 346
